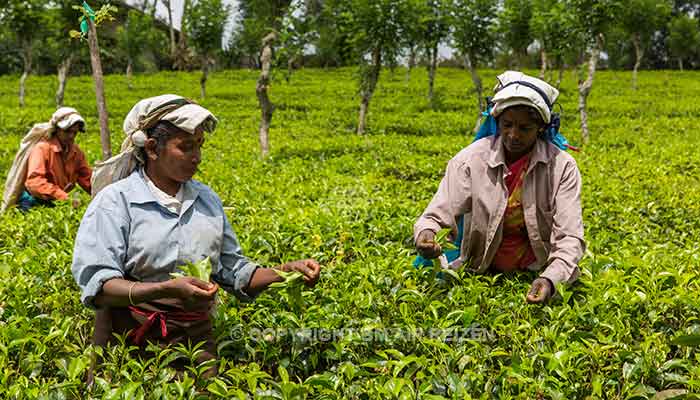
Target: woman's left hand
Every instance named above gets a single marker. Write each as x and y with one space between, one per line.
309 267
541 291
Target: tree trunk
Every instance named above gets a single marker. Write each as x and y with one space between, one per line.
411 62
432 68
266 106
561 75
476 80
63 70
99 90
639 52
154 9
680 64
369 83
173 47
205 75
129 72
290 68
518 61
181 56
22 80
543 62
584 88
183 22
27 60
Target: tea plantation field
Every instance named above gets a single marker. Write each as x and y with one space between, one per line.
374 327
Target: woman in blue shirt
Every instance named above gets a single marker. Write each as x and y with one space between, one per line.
139 229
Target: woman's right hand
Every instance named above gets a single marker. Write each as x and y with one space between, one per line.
192 291
427 246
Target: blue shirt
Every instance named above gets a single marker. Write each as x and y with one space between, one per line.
126 232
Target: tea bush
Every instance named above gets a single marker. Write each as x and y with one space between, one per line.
374 327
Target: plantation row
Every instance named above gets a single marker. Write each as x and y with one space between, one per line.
374 327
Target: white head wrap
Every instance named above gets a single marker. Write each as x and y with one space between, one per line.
65 117
516 88
179 111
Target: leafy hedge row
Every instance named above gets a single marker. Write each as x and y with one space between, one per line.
374 327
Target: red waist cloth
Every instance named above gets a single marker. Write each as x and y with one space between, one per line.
138 334
514 252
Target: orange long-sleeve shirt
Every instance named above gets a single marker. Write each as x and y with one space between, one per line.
50 176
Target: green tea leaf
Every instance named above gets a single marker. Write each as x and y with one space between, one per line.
687 340
442 238
200 270
292 285
290 278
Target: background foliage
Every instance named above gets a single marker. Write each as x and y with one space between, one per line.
331 38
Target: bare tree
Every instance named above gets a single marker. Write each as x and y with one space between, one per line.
27 62
584 87
205 26
89 22
368 85
63 70
97 76
173 45
640 19
266 106
473 36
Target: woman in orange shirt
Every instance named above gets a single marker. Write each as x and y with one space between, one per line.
56 163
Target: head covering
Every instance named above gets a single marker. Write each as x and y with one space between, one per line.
179 111
65 117
515 88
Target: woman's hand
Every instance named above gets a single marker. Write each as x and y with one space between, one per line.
193 292
427 246
309 267
542 290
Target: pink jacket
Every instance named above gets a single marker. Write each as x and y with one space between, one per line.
474 186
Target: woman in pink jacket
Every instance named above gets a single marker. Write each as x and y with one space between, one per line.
515 193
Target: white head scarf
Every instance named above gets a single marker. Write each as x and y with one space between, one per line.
516 88
65 117
177 110
181 112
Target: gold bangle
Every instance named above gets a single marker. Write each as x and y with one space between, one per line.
131 287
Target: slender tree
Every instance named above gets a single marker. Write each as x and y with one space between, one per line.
334 41
375 29
296 31
133 37
58 47
413 35
594 18
474 36
88 25
205 27
641 19
554 28
266 106
256 19
183 55
434 27
24 21
173 45
684 38
514 22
